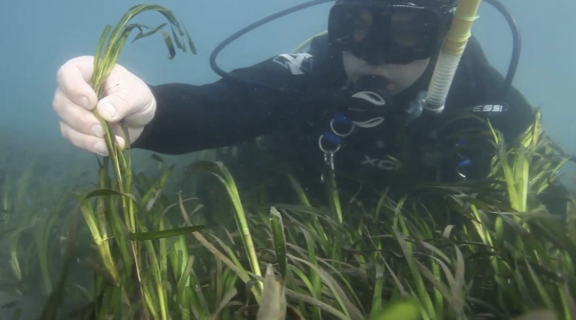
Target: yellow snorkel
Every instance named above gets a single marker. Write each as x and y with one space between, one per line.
451 53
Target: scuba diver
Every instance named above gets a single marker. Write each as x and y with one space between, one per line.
353 101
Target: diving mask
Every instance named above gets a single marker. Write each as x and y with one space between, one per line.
390 32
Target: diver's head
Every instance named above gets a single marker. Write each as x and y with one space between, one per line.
394 39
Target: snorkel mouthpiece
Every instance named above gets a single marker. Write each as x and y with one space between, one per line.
450 54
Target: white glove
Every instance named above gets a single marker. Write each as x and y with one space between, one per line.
126 97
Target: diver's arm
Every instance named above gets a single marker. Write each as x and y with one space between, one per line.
191 118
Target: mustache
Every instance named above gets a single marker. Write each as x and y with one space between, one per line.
378 71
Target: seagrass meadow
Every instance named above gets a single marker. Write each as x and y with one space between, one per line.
145 237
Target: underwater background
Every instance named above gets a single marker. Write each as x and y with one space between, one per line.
37 37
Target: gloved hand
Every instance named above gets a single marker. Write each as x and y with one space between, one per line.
126 97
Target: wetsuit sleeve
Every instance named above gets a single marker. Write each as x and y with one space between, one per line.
520 114
191 118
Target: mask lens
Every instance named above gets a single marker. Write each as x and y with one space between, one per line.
413 29
349 25
384 34
363 22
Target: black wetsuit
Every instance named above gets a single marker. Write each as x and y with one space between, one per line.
288 108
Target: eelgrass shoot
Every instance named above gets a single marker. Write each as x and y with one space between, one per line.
105 216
